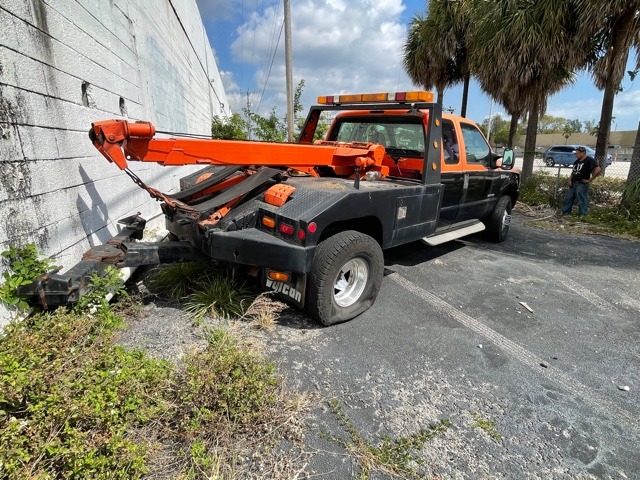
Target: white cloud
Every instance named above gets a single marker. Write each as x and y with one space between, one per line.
338 47
626 110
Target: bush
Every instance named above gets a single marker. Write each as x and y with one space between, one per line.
614 206
544 189
22 267
68 399
75 405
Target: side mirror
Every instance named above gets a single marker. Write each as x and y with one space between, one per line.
508 159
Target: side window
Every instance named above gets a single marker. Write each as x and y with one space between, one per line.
450 144
476 146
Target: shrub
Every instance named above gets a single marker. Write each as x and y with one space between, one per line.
22 267
68 399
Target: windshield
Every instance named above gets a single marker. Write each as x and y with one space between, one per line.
404 134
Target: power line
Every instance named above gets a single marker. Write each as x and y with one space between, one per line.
242 46
270 65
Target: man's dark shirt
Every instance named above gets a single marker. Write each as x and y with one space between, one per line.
582 170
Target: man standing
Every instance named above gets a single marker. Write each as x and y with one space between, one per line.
585 170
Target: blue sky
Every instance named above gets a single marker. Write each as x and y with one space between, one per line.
350 46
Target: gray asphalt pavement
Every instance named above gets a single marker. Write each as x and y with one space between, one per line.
449 339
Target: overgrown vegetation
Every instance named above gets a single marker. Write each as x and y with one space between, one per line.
74 404
206 289
393 456
22 266
614 206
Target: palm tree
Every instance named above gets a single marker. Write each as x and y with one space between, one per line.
634 168
435 54
615 26
521 52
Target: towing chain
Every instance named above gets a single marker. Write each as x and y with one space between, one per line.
157 194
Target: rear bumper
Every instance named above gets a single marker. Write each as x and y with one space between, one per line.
256 248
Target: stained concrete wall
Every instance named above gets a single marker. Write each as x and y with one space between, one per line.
67 63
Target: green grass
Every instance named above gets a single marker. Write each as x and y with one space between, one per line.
69 399
219 296
176 281
74 404
205 288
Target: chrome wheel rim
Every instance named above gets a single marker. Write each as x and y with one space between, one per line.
506 220
350 282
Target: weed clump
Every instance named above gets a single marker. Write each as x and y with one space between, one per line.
206 289
392 456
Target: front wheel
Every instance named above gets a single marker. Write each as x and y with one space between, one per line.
498 223
345 277
550 162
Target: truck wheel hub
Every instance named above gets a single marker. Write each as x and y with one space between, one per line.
350 282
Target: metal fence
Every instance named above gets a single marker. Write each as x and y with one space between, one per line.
618 169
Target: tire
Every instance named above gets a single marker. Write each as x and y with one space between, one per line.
345 277
549 161
498 223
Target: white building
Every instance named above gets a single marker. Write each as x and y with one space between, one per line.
67 63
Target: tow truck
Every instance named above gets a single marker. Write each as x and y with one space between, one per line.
310 219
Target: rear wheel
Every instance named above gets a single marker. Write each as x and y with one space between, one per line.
549 161
498 223
345 277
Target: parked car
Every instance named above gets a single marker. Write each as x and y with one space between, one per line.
563 155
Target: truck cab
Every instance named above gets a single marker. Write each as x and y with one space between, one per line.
471 174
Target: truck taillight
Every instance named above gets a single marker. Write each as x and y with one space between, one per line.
286 229
417 96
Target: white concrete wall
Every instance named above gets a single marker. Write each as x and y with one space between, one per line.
55 189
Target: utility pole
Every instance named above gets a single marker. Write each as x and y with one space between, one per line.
289 67
248 115
489 127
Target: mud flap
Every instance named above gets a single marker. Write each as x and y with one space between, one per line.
292 291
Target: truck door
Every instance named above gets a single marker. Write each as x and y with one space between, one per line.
452 175
477 198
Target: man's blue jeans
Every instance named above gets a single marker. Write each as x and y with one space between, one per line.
581 192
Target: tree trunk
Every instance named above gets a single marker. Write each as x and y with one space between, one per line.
614 79
440 92
634 168
602 143
631 193
513 129
530 142
465 95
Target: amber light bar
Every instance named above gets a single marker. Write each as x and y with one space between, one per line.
401 97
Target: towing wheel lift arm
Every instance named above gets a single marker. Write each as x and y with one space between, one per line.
120 141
